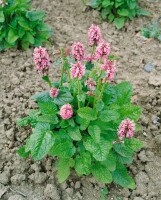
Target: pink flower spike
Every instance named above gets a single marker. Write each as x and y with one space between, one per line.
90 93
66 111
41 60
77 70
78 51
90 83
126 129
110 67
103 50
54 92
94 35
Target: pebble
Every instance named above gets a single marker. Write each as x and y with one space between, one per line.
10 134
155 80
4 177
16 197
51 191
155 119
18 178
15 80
149 67
3 191
38 177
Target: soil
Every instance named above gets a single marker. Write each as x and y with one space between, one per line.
22 179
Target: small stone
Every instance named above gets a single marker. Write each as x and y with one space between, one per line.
149 67
77 185
38 177
16 197
142 156
3 191
158 139
18 178
145 134
155 119
6 61
10 134
4 177
155 80
51 192
15 80
69 191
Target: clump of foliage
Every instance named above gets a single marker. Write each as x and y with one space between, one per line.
85 121
20 26
152 30
117 11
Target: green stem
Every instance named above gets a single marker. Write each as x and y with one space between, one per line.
46 78
63 66
96 94
78 92
103 89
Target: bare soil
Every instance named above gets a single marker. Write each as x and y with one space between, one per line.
26 179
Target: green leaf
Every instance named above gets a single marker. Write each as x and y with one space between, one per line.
35 15
47 107
83 164
89 65
52 119
21 32
84 123
159 37
109 115
130 111
74 133
99 105
25 45
63 149
123 12
124 160
28 37
42 96
95 132
106 3
22 153
24 24
121 177
87 113
2 18
12 36
134 144
40 142
24 121
99 151
124 92
101 173
141 12
119 22
123 150
63 98
63 167
110 161
93 3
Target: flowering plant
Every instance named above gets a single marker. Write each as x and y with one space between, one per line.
20 26
84 121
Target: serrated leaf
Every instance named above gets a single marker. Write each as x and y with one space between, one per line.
110 161
12 36
124 160
134 144
95 132
101 173
63 149
40 142
74 133
87 113
63 98
99 150
119 22
123 150
24 121
34 15
121 177
99 105
42 96
84 123
47 107
63 167
22 153
52 119
2 18
83 164
109 115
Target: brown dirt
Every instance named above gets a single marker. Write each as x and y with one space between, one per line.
36 180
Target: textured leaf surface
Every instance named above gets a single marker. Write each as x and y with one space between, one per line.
63 98
134 144
87 113
74 133
123 150
95 132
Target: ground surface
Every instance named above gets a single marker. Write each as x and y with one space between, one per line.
36 180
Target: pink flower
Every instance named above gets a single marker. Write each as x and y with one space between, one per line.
54 92
66 111
103 50
94 35
90 93
77 71
90 83
78 51
90 58
126 129
110 67
41 60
